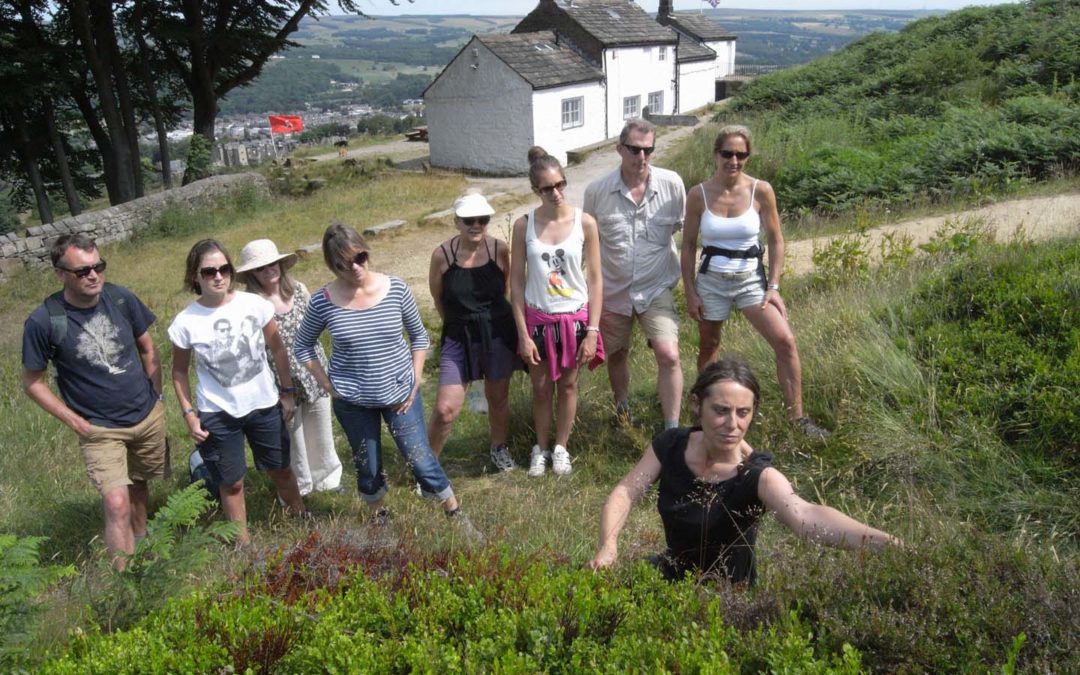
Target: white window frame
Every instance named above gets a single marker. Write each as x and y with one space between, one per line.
659 109
573 112
636 107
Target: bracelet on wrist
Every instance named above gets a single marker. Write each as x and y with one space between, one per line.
592 329
287 390
187 411
774 287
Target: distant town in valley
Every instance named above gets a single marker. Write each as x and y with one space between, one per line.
348 69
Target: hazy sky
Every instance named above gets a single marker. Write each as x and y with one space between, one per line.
522 7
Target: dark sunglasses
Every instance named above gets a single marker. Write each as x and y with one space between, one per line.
360 259
635 149
728 154
550 189
483 220
81 272
211 272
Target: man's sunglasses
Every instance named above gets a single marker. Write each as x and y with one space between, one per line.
483 220
81 272
635 149
211 272
550 189
728 154
360 259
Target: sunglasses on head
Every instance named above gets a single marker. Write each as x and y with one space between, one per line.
728 154
550 189
81 272
211 272
483 220
635 149
360 259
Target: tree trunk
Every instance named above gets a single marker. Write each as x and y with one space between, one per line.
101 140
70 193
116 157
152 95
107 34
28 157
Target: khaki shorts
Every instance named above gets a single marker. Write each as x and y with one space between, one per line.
659 323
119 457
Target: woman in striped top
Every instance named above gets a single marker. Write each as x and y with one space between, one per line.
374 374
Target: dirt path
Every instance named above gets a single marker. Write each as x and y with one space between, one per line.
1038 217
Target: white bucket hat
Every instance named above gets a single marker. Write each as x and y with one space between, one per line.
472 205
263 252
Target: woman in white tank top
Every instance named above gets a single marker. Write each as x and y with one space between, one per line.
729 211
556 292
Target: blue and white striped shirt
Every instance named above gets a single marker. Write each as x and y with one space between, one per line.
371 365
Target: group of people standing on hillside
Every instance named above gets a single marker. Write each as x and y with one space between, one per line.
578 278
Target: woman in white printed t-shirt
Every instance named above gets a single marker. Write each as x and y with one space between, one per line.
235 395
556 291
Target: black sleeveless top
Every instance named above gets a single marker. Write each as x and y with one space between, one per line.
710 527
475 308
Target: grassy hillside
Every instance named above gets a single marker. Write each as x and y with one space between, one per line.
978 102
990 519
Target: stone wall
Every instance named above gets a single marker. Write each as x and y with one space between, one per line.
31 249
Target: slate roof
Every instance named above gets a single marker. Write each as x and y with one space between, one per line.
613 23
689 50
540 60
697 26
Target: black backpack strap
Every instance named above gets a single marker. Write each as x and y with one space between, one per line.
58 321
121 303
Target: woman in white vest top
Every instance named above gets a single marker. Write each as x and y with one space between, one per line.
729 212
556 293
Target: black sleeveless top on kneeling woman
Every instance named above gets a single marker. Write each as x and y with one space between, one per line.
710 527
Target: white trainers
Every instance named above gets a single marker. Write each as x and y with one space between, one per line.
560 461
537 462
500 457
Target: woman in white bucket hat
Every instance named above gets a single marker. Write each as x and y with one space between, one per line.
265 272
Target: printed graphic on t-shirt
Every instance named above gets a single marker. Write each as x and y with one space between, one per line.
99 344
236 354
556 277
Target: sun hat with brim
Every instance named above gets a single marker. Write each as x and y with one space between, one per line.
472 205
263 252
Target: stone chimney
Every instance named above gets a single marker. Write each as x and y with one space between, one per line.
664 10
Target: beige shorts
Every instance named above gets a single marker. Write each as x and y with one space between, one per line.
119 457
659 322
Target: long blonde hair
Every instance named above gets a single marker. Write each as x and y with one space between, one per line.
286 284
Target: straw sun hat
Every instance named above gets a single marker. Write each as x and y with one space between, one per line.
263 252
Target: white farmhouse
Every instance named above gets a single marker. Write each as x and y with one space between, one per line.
503 94
568 75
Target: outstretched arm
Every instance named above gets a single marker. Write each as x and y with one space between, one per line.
814 522
617 507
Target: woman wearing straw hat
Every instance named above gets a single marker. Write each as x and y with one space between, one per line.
468 281
265 272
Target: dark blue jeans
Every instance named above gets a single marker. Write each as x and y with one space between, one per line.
363 428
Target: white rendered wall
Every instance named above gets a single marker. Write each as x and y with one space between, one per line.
547 118
479 118
725 56
637 71
697 85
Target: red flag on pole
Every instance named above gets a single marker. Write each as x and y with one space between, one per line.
286 124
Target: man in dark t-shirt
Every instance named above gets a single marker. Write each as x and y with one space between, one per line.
109 378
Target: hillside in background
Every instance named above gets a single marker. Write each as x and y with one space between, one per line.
975 102
389 59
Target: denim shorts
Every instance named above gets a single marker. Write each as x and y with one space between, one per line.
719 291
223 451
498 364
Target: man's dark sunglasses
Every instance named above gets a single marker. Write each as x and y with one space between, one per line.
360 259
483 220
635 149
81 272
728 154
210 272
